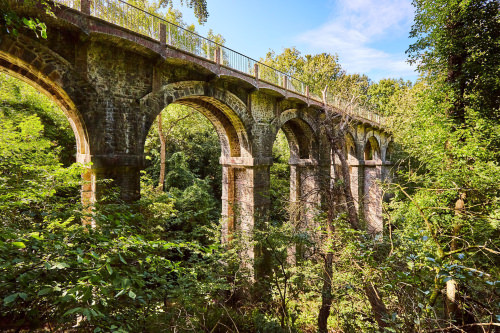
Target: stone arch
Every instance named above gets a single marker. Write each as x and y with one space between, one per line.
227 113
300 132
350 147
53 76
296 114
389 151
372 149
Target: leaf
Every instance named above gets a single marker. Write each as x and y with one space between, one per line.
123 291
110 270
59 265
72 311
131 294
121 259
44 291
19 245
36 235
10 299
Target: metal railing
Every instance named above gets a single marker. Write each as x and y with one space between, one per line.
135 19
355 109
75 4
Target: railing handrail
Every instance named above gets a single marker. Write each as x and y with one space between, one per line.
205 38
286 86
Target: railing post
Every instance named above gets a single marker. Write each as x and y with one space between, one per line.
256 71
307 91
170 34
285 81
163 34
85 6
217 55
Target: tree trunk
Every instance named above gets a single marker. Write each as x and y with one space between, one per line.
378 307
163 147
326 290
326 294
344 167
336 138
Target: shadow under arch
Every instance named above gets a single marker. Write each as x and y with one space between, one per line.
371 149
350 147
300 132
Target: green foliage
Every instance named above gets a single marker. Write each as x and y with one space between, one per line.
19 100
199 7
116 276
187 131
444 211
316 71
133 271
441 165
31 174
385 94
458 43
319 71
12 23
280 179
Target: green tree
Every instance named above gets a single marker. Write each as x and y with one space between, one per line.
316 71
383 95
199 7
448 191
458 45
12 23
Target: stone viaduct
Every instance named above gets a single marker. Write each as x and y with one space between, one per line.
112 82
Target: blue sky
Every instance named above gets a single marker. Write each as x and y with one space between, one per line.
369 36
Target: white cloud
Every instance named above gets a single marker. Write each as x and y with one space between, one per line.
358 31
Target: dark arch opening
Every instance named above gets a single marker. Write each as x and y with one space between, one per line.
389 152
350 147
293 166
300 136
372 149
280 186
